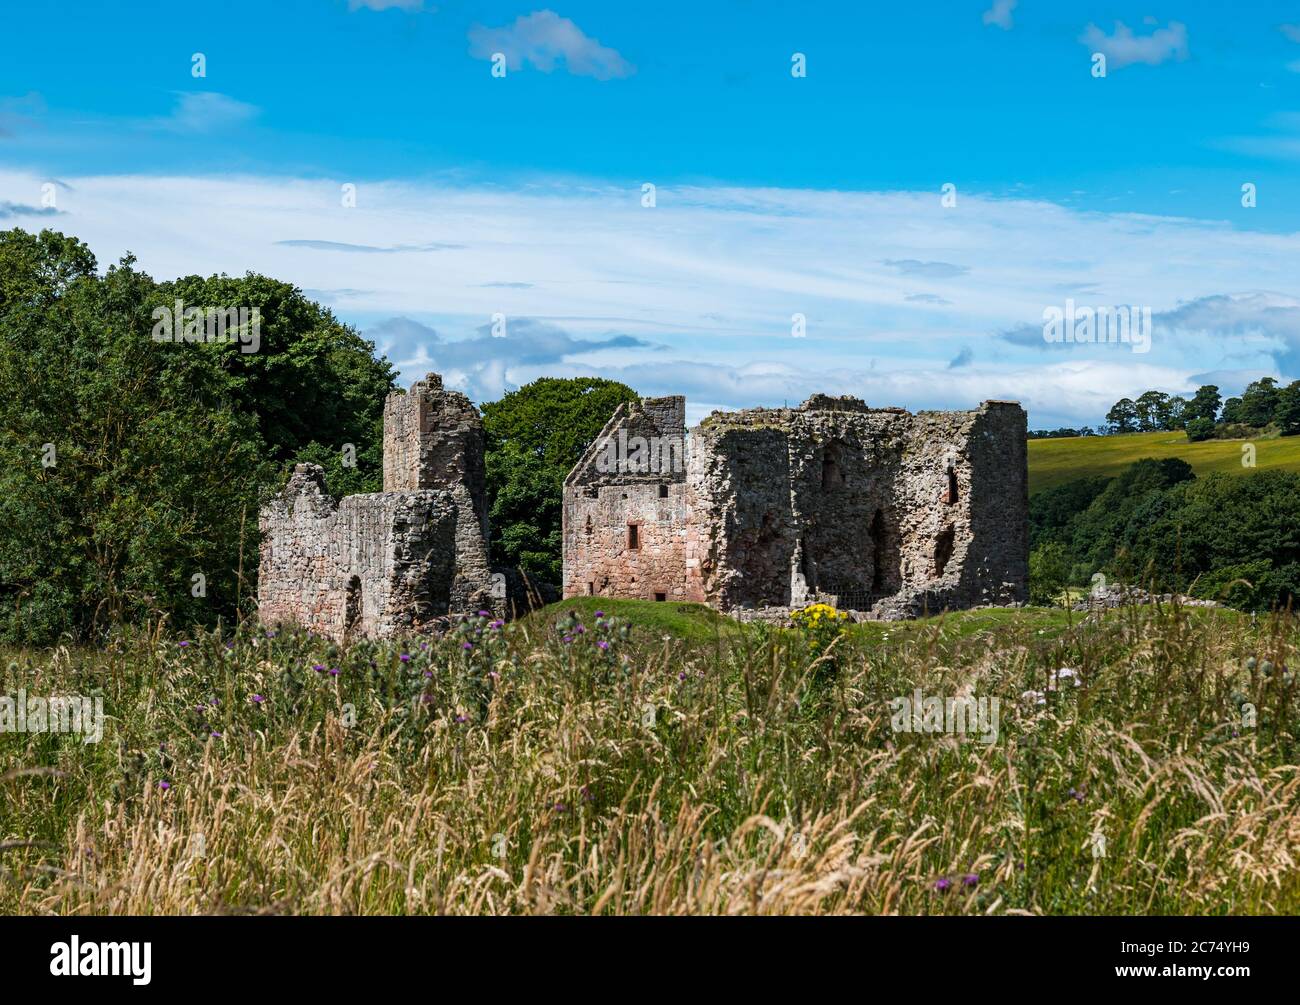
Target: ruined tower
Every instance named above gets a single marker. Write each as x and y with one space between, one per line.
870 509
385 562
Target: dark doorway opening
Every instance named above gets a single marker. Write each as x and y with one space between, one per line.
352 609
942 551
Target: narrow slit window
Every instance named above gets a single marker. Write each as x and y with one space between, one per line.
661 596
663 491
633 537
952 487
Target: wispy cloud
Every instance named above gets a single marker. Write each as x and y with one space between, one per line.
1000 14
544 39
10 210
204 112
486 365
1123 48
369 249
928 270
700 300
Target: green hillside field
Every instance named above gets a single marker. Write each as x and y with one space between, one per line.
1054 462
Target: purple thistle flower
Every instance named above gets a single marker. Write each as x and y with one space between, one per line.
334 671
602 644
424 645
164 785
184 645
600 614
485 614
467 645
581 629
258 699
428 673
568 638
462 718
970 879
942 884
319 667
405 657
215 734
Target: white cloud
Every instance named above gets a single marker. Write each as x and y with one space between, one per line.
697 295
1000 14
543 38
204 112
1123 48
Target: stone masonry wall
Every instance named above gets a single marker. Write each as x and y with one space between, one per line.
368 565
624 519
392 561
433 439
869 509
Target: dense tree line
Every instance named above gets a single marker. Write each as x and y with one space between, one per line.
1234 538
1264 405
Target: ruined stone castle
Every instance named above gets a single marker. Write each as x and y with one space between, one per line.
393 561
870 509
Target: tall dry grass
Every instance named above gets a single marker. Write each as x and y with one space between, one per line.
742 775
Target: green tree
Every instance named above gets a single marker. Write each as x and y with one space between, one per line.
1204 404
1123 416
1151 408
314 385
1259 402
131 470
1287 415
1048 570
1173 416
535 436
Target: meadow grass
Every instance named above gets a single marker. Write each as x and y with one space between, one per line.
713 768
1056 461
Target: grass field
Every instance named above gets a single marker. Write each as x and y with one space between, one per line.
662 759
1053 462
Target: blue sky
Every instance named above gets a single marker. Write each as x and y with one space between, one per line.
776 195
